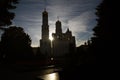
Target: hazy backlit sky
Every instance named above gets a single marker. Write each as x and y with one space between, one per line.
78 15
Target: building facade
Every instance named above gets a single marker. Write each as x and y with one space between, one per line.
63 43
45 43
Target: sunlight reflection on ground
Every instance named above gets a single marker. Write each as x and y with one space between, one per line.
51 76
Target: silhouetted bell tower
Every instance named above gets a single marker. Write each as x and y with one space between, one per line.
45 26
58 28
45 43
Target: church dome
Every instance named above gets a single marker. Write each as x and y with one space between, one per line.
45 12
58 21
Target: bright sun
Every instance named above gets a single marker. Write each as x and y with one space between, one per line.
51 38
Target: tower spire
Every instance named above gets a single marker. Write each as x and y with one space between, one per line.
58 26
44 5
45 26
45 9
58 18
45 43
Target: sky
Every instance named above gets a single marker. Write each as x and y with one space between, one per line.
77 15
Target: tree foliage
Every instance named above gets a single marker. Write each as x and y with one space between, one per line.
5 15
103 32
15 44
103 40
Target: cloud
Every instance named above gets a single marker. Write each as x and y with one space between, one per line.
79 26
81 23
35 35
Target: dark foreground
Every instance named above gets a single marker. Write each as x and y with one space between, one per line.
51 72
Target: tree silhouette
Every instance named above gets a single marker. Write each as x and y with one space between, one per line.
102 42
15 44
5 15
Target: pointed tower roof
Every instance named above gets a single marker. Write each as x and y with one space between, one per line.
58 21
58 27
68 30
45 12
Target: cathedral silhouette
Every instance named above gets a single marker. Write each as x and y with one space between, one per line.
62 44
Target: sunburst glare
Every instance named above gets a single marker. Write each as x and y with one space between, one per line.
51 38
